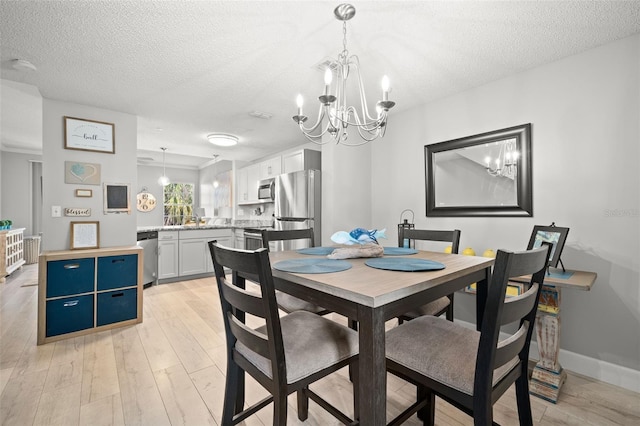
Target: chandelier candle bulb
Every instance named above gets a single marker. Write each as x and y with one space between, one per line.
299 102
328 76
385 88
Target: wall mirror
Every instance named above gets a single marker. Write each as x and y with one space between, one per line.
481 175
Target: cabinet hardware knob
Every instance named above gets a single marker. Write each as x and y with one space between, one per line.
71 303
72 266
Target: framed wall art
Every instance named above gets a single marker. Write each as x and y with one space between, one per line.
85 235
116 198
81 173
555 235
89 135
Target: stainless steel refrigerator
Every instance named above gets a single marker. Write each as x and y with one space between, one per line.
297 206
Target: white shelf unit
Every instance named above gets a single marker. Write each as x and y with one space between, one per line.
12 251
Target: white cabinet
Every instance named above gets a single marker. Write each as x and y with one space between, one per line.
247 187
11 251
271 168
167 254
253 177
239 239
305 159
194 255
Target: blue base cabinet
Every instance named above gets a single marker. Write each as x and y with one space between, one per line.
84 291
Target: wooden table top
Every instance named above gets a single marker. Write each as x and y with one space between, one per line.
375 287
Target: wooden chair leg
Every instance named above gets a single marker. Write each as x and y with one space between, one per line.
231 392
449 312
355 378
279 409
523 400
427 413
303 404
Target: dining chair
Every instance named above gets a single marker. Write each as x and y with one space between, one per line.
284 355
287 302
445 303
471 369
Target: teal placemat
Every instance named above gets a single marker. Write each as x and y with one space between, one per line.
560 274
404 264
316 265
398 251
317 251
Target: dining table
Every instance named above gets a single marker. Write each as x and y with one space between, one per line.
372 296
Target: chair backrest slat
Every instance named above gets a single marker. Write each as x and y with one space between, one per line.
255 341
517 307
287 235
452 237
243 300
510 347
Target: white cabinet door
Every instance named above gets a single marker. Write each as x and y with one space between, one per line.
293 162
241 186
193 256
271 168
253 177
227 241
167 259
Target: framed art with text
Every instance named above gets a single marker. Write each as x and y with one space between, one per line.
89 135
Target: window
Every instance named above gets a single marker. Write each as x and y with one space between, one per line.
178 203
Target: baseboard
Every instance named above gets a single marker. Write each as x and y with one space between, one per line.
597 369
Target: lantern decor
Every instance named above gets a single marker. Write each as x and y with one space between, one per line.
405 224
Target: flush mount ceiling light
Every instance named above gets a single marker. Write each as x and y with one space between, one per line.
333 104
23 65
222 139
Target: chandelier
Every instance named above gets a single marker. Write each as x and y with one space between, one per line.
334 114
506 163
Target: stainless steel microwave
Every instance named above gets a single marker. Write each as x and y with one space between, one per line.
266 190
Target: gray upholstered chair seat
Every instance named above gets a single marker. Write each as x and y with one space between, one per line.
451 357
311 343
431 308
289 303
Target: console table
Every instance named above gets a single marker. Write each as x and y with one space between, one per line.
548 375
11 251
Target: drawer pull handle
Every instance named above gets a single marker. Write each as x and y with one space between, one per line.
117 260
70 303
117 294
72 266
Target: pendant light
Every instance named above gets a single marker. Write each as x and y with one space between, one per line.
164 180
215 169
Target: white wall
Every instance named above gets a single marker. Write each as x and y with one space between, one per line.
115 229
585 114
16 189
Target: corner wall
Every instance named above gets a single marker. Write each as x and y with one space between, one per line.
585 113
115 229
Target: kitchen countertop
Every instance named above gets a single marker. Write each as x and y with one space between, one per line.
236 224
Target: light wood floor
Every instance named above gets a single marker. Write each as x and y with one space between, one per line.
170 370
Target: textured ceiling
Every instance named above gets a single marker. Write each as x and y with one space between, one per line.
195 67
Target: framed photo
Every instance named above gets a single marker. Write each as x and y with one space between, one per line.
81 173
549 234
89 135
85 235
116 198
84 193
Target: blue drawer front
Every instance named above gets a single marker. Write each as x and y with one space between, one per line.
116 306
67 277
117 271
69 314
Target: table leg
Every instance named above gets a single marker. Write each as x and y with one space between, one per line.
372 367
548 375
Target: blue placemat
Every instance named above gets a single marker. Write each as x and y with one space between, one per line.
316 265
317 251
398 251
403 264
559 274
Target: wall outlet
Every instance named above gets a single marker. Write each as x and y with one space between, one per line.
56 211
240 212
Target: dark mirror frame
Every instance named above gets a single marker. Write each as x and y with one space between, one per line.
524 206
